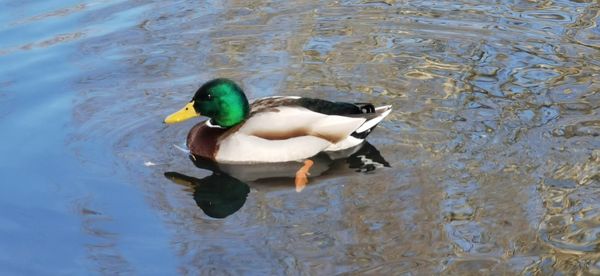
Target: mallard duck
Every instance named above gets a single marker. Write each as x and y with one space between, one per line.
272 129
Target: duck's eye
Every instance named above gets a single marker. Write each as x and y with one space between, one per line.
206 97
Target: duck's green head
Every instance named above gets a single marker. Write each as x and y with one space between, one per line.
220 99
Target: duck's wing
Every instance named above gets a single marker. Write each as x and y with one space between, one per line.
316 105
372 115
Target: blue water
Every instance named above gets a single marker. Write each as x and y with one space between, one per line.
50 223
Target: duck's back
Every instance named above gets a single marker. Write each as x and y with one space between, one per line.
316 105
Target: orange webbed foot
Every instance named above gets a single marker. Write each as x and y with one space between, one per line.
302 175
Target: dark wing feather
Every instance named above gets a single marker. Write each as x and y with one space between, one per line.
316 105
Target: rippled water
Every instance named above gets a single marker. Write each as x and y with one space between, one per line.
493 146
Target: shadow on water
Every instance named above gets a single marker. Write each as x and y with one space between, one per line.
225 191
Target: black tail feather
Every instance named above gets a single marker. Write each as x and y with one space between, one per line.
364 134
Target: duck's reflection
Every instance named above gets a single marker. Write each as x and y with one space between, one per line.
224 192
218 195
366 159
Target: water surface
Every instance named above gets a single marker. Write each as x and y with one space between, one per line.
493 148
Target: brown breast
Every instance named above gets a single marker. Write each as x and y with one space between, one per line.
202 140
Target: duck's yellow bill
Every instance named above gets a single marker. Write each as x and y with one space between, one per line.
187 112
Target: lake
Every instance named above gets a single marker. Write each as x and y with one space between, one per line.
489 163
